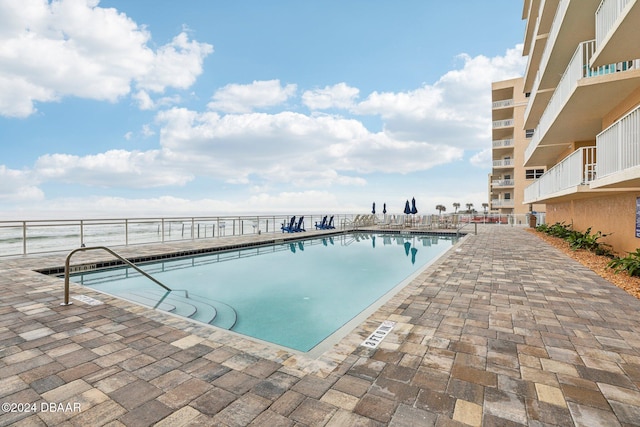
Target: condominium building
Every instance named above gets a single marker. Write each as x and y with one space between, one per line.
509 138
583 77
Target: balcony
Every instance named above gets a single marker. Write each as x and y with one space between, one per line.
568 177
544 16
502 203
572 24
502 183
504 163
616 31
584 95
505 103
618 149
503 143
502 123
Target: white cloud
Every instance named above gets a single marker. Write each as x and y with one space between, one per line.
290 147
455 110
16 186
337 96
237 98
49 51
176 64
482 159
114 168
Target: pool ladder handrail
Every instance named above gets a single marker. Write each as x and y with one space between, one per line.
464 225
104 248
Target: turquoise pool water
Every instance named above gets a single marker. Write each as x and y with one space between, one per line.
291 294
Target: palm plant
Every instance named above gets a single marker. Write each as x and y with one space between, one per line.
456 206
441 208
469 206
485 206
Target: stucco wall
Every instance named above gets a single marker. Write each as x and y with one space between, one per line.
614 215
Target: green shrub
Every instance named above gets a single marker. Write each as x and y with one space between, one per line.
543 228
630 263
577 240
586 240
559 229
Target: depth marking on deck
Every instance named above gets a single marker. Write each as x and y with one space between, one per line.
87 300
379 334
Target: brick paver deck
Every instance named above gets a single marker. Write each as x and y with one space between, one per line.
504 330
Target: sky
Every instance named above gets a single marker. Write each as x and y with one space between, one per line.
129 108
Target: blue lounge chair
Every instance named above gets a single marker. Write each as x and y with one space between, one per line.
330 225
299 226
289 228
322 224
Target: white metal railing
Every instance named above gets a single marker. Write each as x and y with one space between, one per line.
503 143
607 16
502 103
561 11
618 146
502 123
576 169
503 163
577 69
503 183
569 81
40 236
502 203
532 96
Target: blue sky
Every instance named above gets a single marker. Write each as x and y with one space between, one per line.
157 107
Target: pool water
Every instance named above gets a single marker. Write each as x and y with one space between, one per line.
292 294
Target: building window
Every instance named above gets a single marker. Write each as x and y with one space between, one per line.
507 196
534 173
529 133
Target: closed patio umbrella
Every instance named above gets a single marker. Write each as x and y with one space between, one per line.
414 210
373 209
384 208
407 208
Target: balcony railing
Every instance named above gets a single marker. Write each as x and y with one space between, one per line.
577 69
606 17
502 203
558 18
503 183
532 97
503 163
619 145
503 123
574 72
503 143
503 103
577 169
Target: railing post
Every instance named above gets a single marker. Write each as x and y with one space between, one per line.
24 237
81 233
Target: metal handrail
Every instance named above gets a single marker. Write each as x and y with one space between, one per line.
104 248
464 225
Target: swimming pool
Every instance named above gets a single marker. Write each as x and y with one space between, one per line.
293 294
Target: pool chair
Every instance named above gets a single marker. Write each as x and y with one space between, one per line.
289 228
330 225
322 224
299 226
